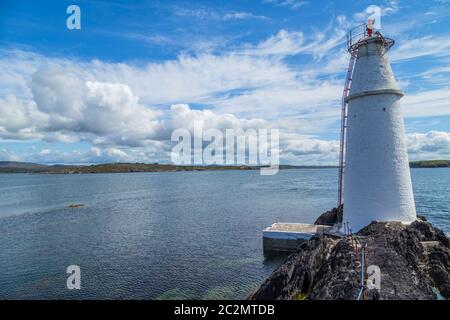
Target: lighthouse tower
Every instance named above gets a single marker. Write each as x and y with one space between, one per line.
377 182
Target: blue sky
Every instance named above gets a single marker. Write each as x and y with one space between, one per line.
137 70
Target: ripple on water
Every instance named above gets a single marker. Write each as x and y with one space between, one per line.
178 235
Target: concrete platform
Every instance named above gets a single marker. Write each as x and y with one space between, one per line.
286 237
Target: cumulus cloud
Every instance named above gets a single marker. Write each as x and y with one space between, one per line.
21 119
304 145
112 103
127 111
430 145
125 104
295 148
182 116
65 108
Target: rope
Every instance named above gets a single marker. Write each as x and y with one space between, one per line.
354 242
361 290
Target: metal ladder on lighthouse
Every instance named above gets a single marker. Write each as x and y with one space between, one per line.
344 116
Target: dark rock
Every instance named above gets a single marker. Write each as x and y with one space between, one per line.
420 217
331 217
414 261
296 275
76 205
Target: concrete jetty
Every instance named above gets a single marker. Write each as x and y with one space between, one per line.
286 237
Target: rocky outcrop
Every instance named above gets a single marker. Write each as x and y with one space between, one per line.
414 261
331 217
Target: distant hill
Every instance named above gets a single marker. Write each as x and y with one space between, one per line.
430 164
26 167
14 166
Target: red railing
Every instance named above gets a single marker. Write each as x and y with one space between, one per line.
354 36
344 117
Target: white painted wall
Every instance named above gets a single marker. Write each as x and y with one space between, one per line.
377 182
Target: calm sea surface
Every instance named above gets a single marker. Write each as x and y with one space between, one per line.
163 235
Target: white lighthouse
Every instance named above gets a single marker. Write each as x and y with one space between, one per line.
377 181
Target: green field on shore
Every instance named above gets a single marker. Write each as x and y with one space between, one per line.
24 167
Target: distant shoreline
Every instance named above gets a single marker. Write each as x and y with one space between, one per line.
25 167
430 164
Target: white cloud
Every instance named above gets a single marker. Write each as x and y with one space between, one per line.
127 111
408 49
305 145
120 103
182 116
283 43
427 103
430 145
207 13
64 105
200 12
113 111
292 4
435 71
8 155
116 153
242 15
192 78
288 43
20 119
311 101
45 152
391 7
